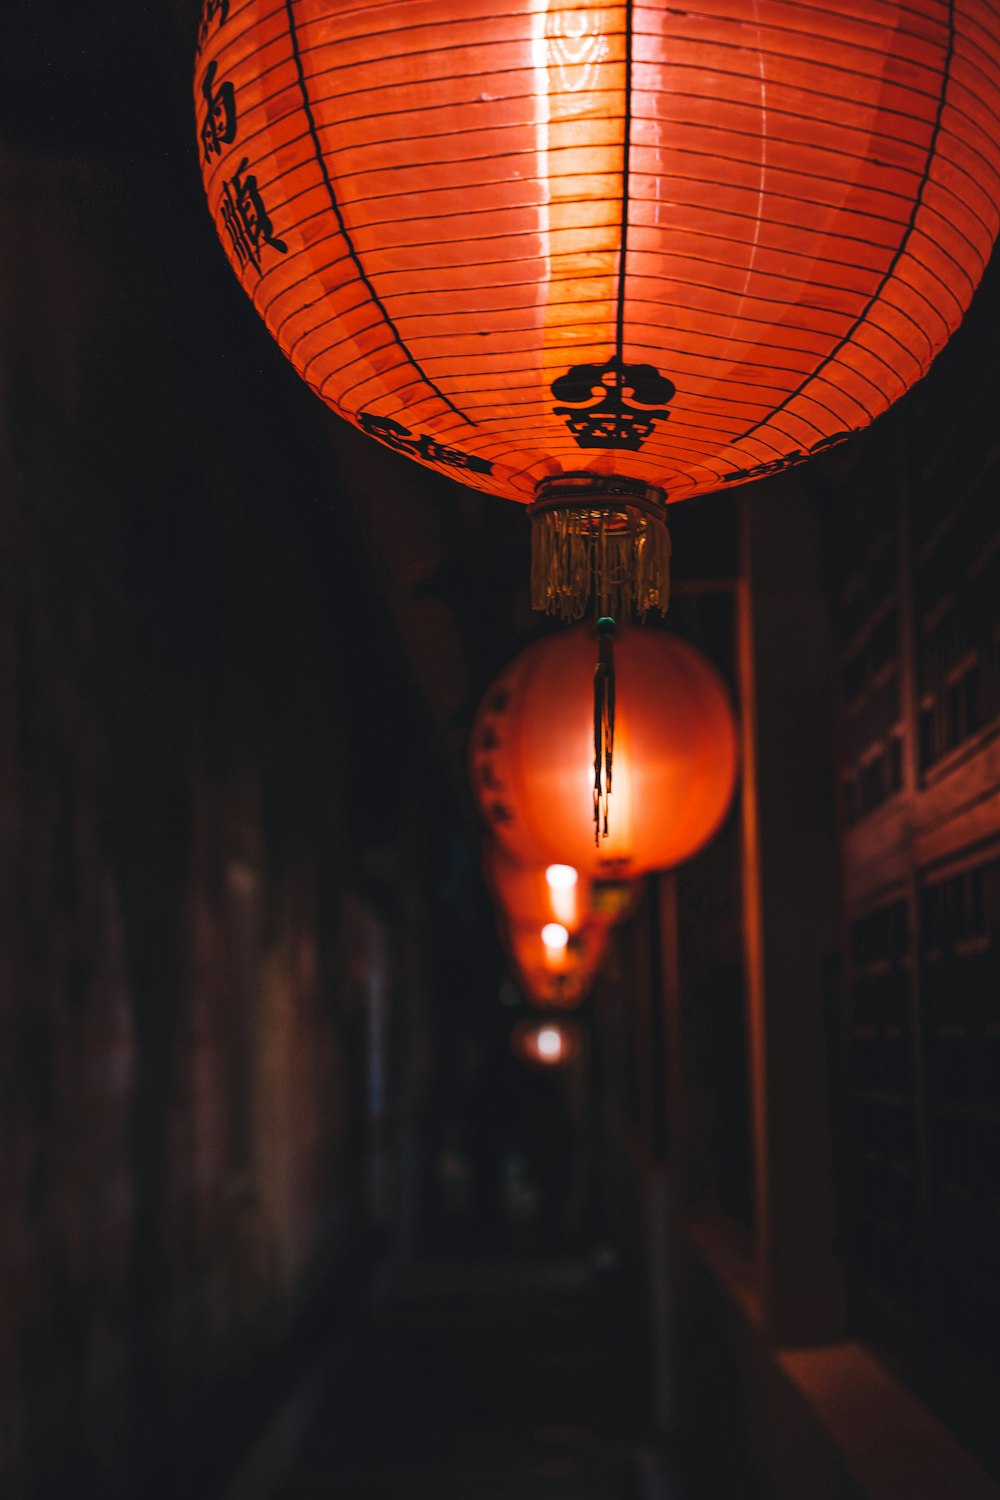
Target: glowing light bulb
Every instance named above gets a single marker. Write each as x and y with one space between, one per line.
555 936
562 881
549 1043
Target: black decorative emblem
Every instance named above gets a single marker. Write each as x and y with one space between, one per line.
612 421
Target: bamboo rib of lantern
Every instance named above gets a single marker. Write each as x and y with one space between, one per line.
598 259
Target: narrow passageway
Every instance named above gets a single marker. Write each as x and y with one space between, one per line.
489 1380
350 1147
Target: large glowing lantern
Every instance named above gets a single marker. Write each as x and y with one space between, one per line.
532 754
601 256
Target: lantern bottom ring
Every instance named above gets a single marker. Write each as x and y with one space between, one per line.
585 489
599 537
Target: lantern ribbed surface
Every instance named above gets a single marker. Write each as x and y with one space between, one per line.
687 245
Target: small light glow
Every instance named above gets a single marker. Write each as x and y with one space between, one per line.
561 877
545 1042
554 935
549 1042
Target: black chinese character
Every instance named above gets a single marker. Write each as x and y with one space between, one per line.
214 10
245 219
219 128
489 778
439 453
393 433
388 431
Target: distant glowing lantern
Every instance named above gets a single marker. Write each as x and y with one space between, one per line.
596 258
558 976
555 937
532 755
546 990
552 948
564 896
530 894
524 895
549 1043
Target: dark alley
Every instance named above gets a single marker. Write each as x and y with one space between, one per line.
316 1180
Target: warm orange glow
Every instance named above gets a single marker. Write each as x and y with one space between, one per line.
546 1043
554 936
563 882
532 753
555 991
527 897
549 1042
687 246
556 976
524 895
531 948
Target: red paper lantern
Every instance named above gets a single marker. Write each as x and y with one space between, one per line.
553 965
553 975
604 256
532 895
554 991
532 754
551 1042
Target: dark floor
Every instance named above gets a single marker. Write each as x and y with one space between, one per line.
511 1380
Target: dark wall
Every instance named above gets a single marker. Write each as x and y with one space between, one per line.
192 764
917 595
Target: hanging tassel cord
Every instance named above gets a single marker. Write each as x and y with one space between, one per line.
604 723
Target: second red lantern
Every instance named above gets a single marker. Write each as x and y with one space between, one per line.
675 758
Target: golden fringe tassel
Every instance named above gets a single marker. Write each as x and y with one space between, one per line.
619 556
